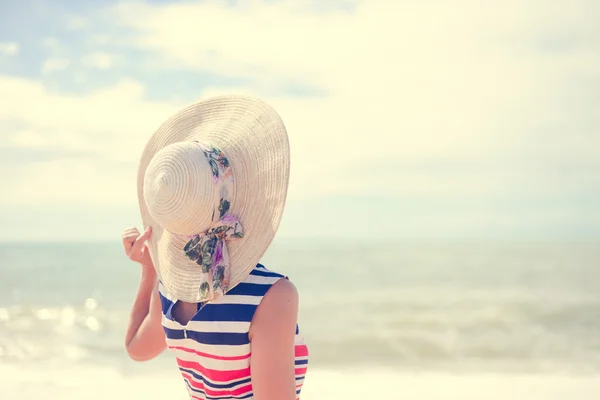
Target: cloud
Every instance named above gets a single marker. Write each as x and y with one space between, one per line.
9 49
54 64
51 43
411 81
117 112
77 23
491 107
107 127
98 60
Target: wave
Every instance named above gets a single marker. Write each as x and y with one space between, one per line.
529 334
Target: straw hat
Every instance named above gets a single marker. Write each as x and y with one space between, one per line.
212 183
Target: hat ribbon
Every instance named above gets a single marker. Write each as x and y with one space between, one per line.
209 248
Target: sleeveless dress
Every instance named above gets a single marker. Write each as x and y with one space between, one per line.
213 349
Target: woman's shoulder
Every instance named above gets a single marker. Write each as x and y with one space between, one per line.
278 308
280 295
280 282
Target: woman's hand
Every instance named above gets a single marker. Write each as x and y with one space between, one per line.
145 338
135 245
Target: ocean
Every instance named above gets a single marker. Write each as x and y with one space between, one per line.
383 320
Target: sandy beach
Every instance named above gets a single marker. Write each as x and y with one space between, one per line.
98 384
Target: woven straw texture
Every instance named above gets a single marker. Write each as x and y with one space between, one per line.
177 194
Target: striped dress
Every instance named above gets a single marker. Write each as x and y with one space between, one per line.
213 349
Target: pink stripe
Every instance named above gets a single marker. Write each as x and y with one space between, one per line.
195 381
301 350
224 376
215 375
213 356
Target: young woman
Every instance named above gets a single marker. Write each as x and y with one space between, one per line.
212 185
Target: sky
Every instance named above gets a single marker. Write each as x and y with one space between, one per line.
407 119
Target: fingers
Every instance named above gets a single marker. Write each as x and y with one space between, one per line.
137 247
129 236
134 242
141 239
130 232
147 233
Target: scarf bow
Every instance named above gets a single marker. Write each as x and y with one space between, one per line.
209 249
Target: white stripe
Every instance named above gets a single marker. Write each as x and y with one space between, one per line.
210 363
262 280
238 299
220 350
167 323
208 326
218 326
220 365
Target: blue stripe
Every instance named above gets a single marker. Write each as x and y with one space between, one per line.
265 273
217 312
250 289
226 312
301 362
166 303
200 391
167 306
214 385
243 289
231 339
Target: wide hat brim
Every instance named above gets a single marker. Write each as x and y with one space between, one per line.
254 139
